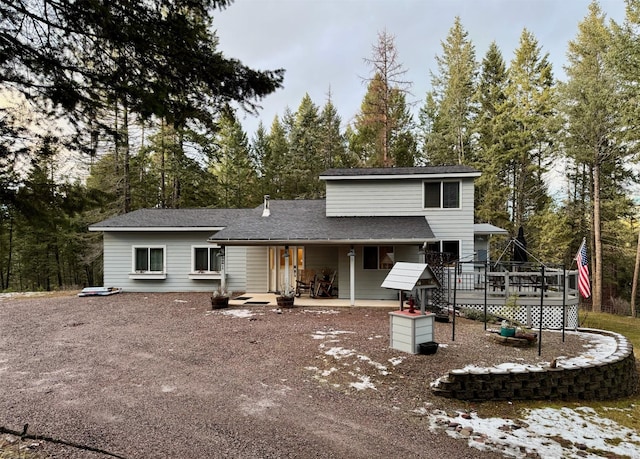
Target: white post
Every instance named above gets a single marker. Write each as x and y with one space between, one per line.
223 273
352 277
286 269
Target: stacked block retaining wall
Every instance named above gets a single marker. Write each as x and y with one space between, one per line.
613 376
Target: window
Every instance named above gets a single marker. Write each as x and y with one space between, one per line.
452 248
442 195
449 250
378 257
207 259
148 259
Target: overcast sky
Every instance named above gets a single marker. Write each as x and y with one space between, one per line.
322 44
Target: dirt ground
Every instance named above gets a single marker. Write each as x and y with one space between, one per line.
162 375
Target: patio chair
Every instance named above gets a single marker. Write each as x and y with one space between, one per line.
324 288
305 282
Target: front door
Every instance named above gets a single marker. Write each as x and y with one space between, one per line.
283 260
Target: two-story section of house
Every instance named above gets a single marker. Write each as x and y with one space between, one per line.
370 219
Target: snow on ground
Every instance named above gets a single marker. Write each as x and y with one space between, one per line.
547 432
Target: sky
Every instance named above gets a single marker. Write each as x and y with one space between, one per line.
322 44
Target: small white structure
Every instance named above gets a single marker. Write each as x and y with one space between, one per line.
410 328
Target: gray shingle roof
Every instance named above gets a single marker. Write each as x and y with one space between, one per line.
424 170
305 221
171 218
298 220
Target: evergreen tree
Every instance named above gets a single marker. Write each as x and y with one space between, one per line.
275 160
594 135
447 116
234 171
382 134
492 187
532 123
333 148
305 159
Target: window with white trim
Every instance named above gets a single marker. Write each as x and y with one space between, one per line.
441 194
149 259
377 257
206 259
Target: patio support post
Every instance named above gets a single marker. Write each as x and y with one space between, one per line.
223 272
564 300
286 270
455 289
352 276
541 310
486 287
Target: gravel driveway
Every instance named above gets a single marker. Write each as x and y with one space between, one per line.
161 375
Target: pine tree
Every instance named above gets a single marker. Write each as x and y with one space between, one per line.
235 173
447 116
382 130
492 187
531 118
333 148
594 134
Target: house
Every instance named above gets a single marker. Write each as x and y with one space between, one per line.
370 219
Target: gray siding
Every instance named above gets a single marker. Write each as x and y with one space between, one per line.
363 198
178 246
368 281
404 198
257 269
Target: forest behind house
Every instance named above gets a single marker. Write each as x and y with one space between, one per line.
143 100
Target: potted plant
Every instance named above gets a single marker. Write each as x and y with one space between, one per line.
511 307
286 298
219 298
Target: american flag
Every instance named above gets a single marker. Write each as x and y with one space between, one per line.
584 286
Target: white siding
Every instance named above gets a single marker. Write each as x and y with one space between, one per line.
118 262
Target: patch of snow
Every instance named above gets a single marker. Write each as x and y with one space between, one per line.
239 313
320 311
396 360
340 352
380 367
546 432
329 334
363 383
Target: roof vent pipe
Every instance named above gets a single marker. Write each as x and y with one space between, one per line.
265 211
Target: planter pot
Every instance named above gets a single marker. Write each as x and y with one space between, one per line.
219 302
285 301
428 348
509 332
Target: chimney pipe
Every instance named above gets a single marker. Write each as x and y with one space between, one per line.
265 211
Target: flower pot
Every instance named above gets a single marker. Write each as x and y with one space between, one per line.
508 332
219 302
284 301
428 348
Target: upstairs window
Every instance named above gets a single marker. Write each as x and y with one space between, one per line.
207 259
442 195
148 259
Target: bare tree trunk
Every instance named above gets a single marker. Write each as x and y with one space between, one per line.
163 177
126 185
597 242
